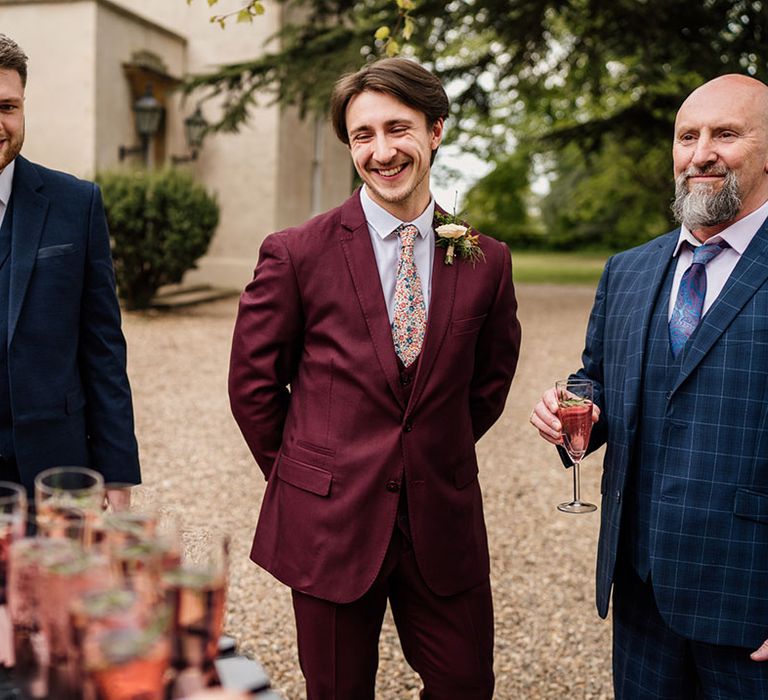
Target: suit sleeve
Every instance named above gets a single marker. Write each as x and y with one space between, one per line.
592 366
266 346
497 352
592 359
102 359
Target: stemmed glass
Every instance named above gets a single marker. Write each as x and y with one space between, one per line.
196 591
69 501
123 645
574 411
70 573
26 592
13 524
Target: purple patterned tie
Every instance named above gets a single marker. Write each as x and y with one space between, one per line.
690 297
409 320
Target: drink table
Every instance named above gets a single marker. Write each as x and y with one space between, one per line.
235 672
238 672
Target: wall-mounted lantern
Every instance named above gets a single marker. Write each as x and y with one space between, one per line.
148 114
195 128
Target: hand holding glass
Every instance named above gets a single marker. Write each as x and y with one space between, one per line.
574 411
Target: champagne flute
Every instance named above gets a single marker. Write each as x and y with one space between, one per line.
574 411
69 501
196 592
126 663
13 524
123 645
25 594
65 577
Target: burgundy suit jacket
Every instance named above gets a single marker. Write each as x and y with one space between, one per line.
315 388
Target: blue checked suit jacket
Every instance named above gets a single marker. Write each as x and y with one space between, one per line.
709 517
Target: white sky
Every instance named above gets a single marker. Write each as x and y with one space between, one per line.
444 185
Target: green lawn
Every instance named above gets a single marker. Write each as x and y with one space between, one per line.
557 268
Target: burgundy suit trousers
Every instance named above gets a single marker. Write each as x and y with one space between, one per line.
447 640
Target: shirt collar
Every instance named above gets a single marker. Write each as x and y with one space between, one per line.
6 182
738 235
383 223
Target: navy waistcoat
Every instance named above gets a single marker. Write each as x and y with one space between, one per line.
6 418
659 373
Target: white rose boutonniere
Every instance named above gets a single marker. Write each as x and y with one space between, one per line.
457 239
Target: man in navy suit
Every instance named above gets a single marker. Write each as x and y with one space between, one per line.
677 348
64 393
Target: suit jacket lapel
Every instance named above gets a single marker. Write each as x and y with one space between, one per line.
29 212
5 233
748 276
438 319
358 252
648 280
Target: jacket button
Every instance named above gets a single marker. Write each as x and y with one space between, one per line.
393 486
405 379
408 426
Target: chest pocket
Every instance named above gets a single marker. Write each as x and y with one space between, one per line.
53 251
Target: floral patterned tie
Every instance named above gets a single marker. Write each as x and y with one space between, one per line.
686 313
409 320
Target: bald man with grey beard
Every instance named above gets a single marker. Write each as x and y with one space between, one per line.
677 352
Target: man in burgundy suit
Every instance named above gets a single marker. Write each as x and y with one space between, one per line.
364 369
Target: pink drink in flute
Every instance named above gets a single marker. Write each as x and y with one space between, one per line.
139 566
64 582
574 411
130 674
197 601
13 525
196 594
123 644
577 425
69 501
26 591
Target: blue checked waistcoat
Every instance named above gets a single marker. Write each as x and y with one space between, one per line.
708 515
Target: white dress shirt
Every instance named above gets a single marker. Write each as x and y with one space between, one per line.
386 247
719 269
6 183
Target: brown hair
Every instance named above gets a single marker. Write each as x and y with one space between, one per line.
406 80
13 58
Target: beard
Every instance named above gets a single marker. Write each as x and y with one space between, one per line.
701 206
11 148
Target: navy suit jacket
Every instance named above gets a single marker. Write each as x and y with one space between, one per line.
69 391
709 517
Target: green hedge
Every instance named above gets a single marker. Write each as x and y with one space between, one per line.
160 223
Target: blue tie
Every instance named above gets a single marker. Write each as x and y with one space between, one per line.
690 297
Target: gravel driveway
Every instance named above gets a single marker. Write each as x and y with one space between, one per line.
550 642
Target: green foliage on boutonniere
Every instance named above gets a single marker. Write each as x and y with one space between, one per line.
457 238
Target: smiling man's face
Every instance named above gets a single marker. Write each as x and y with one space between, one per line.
391 146
720 132
11 116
